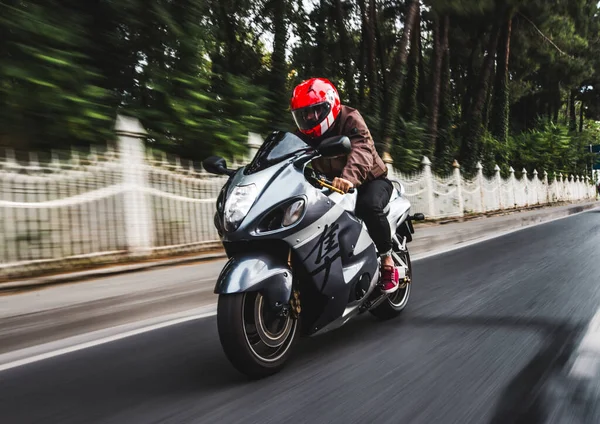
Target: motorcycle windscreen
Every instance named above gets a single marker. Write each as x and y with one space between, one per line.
278 146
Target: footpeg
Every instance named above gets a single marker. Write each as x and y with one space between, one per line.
404 283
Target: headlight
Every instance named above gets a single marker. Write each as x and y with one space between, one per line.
238 204
293 213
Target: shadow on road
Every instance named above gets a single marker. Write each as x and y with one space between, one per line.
526 399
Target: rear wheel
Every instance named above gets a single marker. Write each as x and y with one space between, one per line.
397 301
256 340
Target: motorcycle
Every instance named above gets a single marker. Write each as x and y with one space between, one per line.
301 263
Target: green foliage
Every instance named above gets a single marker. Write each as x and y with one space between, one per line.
62 83
48 92
200 74
407 151
197 122
549 147
243 109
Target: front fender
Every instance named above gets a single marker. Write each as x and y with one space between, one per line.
257 272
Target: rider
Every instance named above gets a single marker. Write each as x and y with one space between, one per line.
319 114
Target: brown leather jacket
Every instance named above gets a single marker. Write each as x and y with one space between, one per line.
363 163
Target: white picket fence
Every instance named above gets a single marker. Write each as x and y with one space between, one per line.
454 195
123 201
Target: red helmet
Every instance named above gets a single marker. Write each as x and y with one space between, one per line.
315 106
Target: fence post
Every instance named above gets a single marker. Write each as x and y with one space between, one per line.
389 163
588 192
554 187
547 187
571 187
513 184
479 168
429 184
526 181
499 185
457 177
561 192
254 143
138 220
536 181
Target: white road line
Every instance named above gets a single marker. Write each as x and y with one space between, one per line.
27 358
27 355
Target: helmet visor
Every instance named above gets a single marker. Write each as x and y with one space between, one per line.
309 117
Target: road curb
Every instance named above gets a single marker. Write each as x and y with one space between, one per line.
423 245
104 272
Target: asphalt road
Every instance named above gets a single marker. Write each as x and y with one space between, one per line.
485 339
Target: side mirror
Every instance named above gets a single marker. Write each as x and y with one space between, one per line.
335 146
216 165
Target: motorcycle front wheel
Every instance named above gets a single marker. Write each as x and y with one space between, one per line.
256 340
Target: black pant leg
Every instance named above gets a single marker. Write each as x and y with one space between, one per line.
373 197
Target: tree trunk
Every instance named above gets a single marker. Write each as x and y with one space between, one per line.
487 108
383 92
572 111
440 46
413 7
362 54
371 54
321 40
422 95
345 50
362 75
229 38
444 138
411 88
581 116
468 80
279 67
501 95
556 102
471 146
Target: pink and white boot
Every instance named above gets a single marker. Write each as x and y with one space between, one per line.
390 279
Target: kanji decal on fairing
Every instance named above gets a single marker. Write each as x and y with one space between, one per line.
328 250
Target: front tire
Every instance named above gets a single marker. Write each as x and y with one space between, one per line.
397 301
256 341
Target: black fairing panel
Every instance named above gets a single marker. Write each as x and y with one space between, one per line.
324 259
369 256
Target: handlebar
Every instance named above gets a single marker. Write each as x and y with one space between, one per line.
329 184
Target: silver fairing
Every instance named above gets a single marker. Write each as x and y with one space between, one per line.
335 259
399 208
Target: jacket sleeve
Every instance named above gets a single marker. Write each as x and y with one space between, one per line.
360 159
